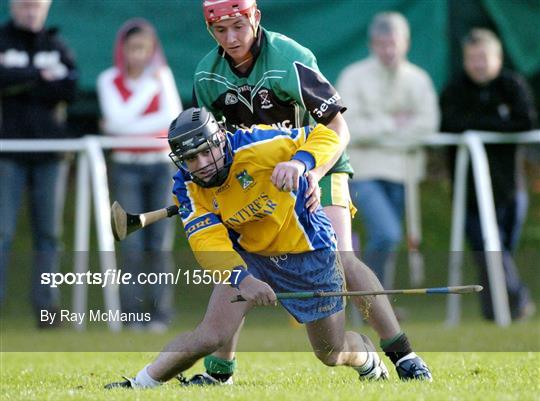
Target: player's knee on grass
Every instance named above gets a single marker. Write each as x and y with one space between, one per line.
331 354
329 358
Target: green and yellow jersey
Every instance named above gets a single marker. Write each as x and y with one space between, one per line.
283 88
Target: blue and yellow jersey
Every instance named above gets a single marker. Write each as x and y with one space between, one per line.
248 213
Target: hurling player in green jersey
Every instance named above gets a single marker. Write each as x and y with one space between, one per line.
255 76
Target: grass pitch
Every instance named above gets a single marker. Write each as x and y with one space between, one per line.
286 375
275 374
272 376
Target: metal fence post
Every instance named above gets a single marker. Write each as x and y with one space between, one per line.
102 210
490 231
453 302
82 235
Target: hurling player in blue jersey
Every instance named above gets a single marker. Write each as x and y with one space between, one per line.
255 76
230 189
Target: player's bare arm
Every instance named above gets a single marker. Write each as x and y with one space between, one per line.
339 126
313 193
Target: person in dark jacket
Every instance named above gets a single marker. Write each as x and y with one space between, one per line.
487 97
37 79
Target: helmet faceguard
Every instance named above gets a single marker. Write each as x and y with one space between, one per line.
219 10
193 131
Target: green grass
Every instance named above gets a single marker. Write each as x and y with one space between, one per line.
281 369
272 376
269 330
285 371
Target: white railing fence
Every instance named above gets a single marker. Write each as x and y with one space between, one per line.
474 142
92 180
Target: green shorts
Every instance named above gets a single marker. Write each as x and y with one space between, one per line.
335 191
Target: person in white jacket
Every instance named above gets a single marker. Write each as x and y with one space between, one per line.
138 98
388 98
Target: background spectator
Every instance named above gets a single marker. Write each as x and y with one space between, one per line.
138 97
37 79
488 98
387 98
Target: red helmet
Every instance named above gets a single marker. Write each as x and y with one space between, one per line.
218 10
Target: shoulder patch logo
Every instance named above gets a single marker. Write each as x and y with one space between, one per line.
230 99
244 179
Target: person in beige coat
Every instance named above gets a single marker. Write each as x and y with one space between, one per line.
392 100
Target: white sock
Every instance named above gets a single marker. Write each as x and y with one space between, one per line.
143 379
410 355
367 366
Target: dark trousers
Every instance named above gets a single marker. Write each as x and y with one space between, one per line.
44 184
510 217
141 188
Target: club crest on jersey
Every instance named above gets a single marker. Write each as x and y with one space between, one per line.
230 98
244 179
264 95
